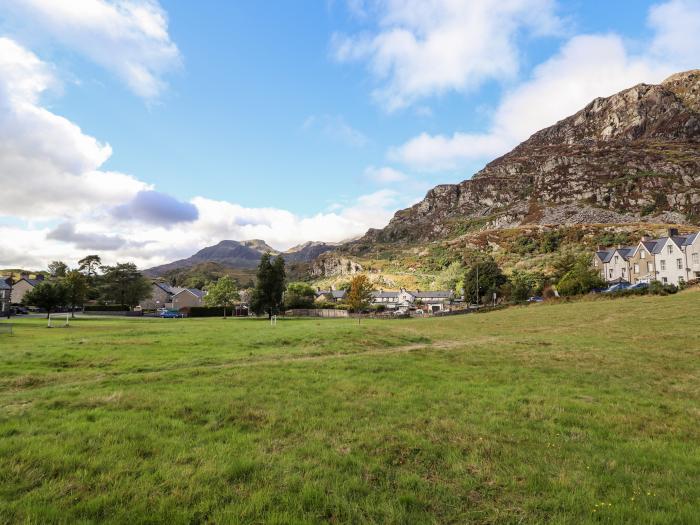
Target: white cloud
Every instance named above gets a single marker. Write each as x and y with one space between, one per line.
384 175
586 67
128 37
423 48
335 128
48 166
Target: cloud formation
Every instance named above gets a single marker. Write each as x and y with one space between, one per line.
384 175
585 67
154 207
48 166
66 232
127 37
422 48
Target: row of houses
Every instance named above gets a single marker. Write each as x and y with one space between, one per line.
172 297
673 259
402 300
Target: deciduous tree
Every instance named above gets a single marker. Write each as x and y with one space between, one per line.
223 293
48 296
76 285
360 294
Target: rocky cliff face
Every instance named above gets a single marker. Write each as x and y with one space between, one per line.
628 157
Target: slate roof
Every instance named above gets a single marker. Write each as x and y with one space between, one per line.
690 239
4 285
440 294
384 295
335 294
605 255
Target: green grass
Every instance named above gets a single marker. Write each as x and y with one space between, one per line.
574 413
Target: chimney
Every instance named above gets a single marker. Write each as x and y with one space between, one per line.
24 275
318 288
619 246
40 277
645 238
601 248
672 232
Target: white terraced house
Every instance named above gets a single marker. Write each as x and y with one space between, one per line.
673 259
404 300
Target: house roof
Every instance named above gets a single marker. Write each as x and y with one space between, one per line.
690 239
4 285
335 294
33 282
165 287
440 294
384 295
605 255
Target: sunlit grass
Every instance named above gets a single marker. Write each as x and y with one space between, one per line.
568 413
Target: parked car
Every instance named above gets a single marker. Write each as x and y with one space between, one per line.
18 310
169 314
535 299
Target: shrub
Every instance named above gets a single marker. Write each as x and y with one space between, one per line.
208 311
106 308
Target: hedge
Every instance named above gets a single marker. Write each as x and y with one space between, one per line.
210 311
106 308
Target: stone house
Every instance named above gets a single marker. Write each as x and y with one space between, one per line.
5 292
692 255
642 267
172 297
613 264
330 295
670 262
24 285
404 300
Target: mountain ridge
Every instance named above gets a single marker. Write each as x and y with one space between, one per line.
621 158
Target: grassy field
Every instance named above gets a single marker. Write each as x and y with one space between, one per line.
575 413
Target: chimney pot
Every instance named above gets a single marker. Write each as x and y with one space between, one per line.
645 238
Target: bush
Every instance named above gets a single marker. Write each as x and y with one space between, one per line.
208 311
581 279
107 308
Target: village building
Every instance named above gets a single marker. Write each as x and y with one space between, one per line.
405 300
23 286
172 297
330 295
5 292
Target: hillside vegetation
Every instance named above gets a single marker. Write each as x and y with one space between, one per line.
580 412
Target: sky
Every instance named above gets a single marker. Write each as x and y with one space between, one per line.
144 131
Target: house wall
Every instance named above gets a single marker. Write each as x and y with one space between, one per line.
641 265
617 268
667 265
692 254
601 266
157 294
185 299
4 301
19 289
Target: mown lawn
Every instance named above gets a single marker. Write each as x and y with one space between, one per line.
574 413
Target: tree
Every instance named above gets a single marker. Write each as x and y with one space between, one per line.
58 269
580 279
484 274
89 265
360 294
449 278
76 285
223 293
299 295
524 285
269 285
48 296
124 284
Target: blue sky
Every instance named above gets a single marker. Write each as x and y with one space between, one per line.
267 119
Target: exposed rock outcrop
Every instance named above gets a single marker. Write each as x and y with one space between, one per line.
633 155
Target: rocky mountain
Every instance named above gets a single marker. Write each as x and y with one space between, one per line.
242 255
630 157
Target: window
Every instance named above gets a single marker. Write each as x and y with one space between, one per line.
664 280
696 259
595 263
642 254
670 249
679 264
611 273
636 268
623 272
650 267
663 265
616 259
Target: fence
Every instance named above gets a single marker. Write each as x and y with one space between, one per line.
315 312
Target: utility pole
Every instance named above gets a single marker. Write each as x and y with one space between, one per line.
478 299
